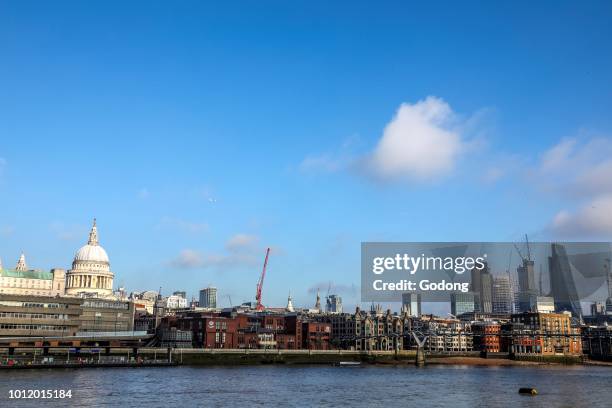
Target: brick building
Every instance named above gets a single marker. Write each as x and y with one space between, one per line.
255 331
545 334
486 337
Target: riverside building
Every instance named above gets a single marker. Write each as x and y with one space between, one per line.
22 316
22 280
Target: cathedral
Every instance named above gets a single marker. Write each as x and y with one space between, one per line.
90 275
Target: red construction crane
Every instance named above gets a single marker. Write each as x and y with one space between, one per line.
260 283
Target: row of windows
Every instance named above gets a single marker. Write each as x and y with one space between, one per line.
22 284
27 292
16 315
90 265
15 303
105 305
47 305
26 281
8 326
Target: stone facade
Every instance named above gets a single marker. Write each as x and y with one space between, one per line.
25 281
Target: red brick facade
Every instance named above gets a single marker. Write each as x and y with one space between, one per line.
285 332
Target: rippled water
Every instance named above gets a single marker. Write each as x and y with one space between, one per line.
432 386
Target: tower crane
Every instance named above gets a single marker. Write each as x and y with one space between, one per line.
528 249
259 306
528 257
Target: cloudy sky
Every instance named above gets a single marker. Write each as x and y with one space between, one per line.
200 134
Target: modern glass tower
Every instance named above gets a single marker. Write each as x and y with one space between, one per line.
563 287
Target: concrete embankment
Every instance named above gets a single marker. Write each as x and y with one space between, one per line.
242 357
62 357
58 356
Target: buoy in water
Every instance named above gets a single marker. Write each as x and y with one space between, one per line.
530 391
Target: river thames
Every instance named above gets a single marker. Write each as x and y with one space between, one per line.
299 386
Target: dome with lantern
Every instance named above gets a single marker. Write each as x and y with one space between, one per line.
90 274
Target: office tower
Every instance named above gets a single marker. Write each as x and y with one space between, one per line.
563 288
502 295
208 297
462 303
334 304
475 274
411 303
527 288
526 276
482 286
486 289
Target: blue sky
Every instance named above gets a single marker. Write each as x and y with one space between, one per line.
199 133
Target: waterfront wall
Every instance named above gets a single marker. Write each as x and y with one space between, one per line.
564 359
253 356
223 356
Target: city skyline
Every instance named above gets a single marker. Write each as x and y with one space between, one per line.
490 292
200 137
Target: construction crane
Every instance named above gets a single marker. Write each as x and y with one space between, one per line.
528 249
519 252
259 306
528 258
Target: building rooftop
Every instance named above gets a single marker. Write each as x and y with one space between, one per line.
29 274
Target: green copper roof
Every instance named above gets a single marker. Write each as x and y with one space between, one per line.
11 273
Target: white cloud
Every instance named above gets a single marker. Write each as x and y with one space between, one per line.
422 142
188 258
241 242
241 250
578 167
558 156
339 160
593 220
598 178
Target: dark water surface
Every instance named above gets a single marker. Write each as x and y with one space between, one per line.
299 386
